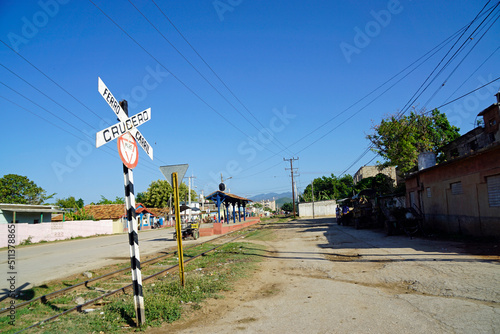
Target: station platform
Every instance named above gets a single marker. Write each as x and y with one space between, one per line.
222 228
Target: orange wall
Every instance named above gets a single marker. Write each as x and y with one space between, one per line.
467 213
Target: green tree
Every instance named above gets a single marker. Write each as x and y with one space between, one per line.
70 203
183 193
158 194
326 188
104 201
399 140
18 189
381 183
140 197
288 207
79 214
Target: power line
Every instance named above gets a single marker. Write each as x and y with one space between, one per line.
55 83
458 98
173 75
470 38
109 151
429 54
212 70
470 76
38 90
197 71
413 98
359 110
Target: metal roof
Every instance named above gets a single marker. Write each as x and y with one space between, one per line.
29 208
226 197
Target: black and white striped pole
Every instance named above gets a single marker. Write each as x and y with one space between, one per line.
133 240
127 134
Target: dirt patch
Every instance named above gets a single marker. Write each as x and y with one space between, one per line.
381 284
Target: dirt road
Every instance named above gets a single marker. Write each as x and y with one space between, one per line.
319 277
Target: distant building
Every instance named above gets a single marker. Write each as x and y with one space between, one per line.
371 171
269 204
116 213
26 213
462 195
479 137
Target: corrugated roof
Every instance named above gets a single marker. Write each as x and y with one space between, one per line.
231 197
28 208
110 211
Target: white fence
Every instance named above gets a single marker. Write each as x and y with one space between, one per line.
321 209
54 231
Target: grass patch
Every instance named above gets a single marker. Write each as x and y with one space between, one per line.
165 299
267 233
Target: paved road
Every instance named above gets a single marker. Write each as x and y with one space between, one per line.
37 264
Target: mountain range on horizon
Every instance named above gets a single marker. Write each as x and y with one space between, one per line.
270 196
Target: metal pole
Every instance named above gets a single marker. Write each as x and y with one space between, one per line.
218 207
133 239
178 228
239 212
170 211
312 186
189 198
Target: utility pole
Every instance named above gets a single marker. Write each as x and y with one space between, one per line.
171 209
189 194
293 184
312 189
222 181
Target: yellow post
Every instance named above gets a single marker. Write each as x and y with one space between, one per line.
178 228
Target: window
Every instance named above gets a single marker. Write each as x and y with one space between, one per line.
456 188
429 195
412 199
493 183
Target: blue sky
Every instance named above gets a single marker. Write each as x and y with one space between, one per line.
295 66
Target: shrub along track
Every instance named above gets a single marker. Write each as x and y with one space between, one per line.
121 275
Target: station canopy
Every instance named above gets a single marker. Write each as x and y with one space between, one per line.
228 198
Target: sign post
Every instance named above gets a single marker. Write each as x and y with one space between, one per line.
178 229
127 134
173 174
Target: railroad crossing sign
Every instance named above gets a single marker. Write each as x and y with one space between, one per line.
127 134
119 129
126 124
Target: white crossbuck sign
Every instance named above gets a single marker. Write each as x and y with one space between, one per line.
126 124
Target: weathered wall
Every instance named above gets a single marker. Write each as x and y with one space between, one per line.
55 231
321 209
468 212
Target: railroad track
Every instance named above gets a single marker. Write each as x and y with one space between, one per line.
104 279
